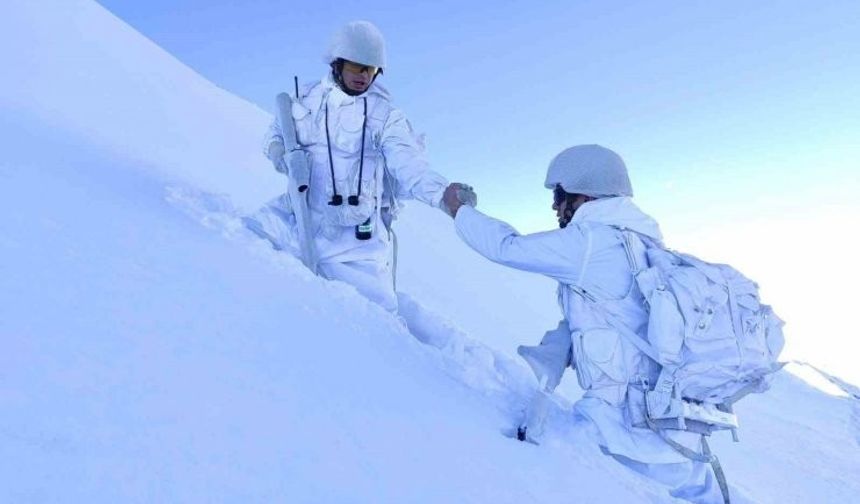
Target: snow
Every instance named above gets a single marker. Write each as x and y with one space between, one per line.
153 350
119 92
146 357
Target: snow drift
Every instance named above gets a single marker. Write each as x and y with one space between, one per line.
152 350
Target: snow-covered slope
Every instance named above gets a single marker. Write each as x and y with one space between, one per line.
74 67
147 357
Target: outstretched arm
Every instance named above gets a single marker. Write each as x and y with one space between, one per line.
557 254
407 163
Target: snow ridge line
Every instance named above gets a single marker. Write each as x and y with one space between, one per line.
850 390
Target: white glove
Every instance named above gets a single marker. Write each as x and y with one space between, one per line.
467 196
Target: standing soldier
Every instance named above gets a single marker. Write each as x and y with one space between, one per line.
363 157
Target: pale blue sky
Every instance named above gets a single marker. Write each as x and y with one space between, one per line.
739 120
702 98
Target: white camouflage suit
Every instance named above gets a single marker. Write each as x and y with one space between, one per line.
589 253
394 168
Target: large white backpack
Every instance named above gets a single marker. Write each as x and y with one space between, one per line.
714 341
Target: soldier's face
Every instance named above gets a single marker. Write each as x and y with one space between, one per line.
565 207
357 77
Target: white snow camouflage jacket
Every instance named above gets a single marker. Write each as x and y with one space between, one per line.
589 254
394 165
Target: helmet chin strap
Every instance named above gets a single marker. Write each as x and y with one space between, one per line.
337 74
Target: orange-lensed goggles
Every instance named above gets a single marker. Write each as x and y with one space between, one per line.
358 68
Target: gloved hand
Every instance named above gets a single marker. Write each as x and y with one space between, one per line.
467 196
276 154
457 195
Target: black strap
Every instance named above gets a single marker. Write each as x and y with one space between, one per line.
361 163
336 198
330 160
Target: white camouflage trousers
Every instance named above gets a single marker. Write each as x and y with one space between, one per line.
371 278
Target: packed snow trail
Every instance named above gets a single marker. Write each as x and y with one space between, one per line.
506 381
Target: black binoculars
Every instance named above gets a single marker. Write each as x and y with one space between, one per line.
363 231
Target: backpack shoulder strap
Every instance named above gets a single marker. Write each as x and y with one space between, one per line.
622 329
628 334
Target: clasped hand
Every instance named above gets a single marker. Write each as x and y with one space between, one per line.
457 195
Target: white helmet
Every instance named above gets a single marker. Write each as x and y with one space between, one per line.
591 170
359 42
